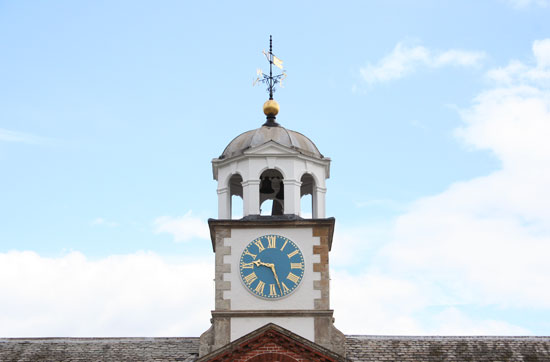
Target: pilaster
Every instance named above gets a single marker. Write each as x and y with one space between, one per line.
292 197
251 197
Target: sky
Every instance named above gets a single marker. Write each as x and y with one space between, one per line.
436 115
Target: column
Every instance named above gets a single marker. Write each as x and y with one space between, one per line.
224 203
251 197
319 202
292 197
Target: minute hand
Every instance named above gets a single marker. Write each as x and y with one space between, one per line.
276 278
272 267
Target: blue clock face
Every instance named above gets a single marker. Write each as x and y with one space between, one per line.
271 266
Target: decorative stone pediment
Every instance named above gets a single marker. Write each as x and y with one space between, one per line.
271 148
272 343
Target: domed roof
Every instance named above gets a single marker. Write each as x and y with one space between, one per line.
264 134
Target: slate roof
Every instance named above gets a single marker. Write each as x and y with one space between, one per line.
358 348
443 349
98 349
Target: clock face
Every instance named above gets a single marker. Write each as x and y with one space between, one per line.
271 266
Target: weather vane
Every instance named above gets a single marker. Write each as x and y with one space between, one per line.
270 79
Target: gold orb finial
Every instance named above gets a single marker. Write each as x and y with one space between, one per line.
271 108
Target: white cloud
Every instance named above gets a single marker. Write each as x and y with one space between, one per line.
405 59
182 228
122 295
20 137
516 72
482 243
377 304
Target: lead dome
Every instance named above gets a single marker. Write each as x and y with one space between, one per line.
278 134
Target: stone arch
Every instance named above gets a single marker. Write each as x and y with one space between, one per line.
271 357
277 168
312 174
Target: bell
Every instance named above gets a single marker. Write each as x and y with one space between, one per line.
281 194
265 187
277 208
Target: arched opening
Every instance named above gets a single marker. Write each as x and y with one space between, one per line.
266 207
236 207
307 196
236 194
272 188
306 207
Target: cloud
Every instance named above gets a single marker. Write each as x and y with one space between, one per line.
397 306
182 228
405 59
517 72
121 295
19 137
481 243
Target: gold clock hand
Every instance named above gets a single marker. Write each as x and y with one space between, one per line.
272 267
276 278
255 262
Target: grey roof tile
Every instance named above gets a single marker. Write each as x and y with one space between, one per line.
358 348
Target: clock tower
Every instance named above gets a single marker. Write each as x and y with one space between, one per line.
271 268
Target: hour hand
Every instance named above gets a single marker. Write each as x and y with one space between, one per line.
255 262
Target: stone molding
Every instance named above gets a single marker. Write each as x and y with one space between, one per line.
279 342
273 313
270 222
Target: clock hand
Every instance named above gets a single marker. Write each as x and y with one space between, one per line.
276 278
252 262
270 266
258 263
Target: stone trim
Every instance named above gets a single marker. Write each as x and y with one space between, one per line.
274 313
286 342
221 268
271 222
323 233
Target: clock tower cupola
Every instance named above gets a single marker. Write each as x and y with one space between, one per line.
272 263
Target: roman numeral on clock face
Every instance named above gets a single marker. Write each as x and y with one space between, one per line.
293 253
296 266
271 239
259 245
285 288
282 247
272 290
246 252
260 287
293 278
250 278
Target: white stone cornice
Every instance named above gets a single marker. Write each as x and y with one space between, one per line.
250 182
292 183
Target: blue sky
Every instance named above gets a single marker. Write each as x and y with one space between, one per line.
435 114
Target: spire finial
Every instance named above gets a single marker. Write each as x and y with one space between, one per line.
271 107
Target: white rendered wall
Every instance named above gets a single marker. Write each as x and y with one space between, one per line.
302 298
303 326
